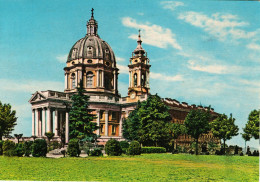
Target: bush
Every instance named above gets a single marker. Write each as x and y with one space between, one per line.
113 148
27 148
95 152
124 146
241 154
134 148
19 149
1 147
73 148
9 148
39 148
153 150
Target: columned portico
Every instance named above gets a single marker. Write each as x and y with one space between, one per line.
37 122
56 123
33 122
106 123
43 121
67 128
98 121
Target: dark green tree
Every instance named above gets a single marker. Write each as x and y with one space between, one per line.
132 124
176 130
224 128
251 129
196 124
149 123
81 124
7 119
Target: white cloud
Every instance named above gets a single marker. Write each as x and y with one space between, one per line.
217 69
253 46
160 76
152 34
120 59
221 26
157 76
30 86
62 58
172 5
123 69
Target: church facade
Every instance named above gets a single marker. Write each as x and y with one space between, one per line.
92 60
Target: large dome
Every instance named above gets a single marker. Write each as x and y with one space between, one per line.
91 47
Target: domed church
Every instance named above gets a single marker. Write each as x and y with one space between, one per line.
93 61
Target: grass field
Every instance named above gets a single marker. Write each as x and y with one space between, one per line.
149 167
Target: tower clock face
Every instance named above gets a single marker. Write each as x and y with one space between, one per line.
132 95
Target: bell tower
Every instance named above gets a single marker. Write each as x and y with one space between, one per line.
139 70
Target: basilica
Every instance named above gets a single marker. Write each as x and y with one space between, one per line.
93 61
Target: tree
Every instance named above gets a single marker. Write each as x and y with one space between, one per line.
149 123
224 128
196 124
18 136
176 131
49 136
251 129
7 119
81 124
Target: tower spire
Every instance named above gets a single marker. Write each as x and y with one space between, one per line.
92 25
92 13
139 49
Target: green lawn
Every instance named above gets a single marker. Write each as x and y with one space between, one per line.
149 167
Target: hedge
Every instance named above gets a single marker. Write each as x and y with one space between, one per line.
39 148
9 148
1 145
134 148
113 148
73 148
153 150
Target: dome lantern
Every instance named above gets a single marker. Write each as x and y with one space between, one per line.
92 25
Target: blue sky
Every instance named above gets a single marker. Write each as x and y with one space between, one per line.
206 52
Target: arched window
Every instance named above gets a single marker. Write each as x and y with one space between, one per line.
89 79
73 80
135 80
143 80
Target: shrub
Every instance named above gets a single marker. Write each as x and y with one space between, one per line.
241 154
27 148
95 152
73 148
153 150
19 149
1 147
9 148
134 148
113 148
39 148
124 146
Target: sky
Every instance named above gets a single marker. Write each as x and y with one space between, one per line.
201 52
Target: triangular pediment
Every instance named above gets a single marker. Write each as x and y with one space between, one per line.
37 96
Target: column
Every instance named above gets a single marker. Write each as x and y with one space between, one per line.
66 81
33 122
79 76
37 122
49 128
120 124
139 77
114 80
98 121
106 123
56 123
40 122
102 78
76 79
67 128
130 79
97 78
43 121
147 79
